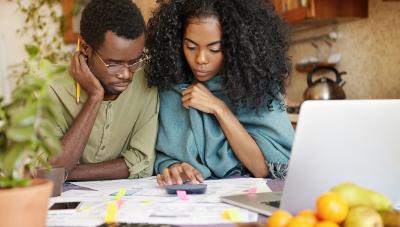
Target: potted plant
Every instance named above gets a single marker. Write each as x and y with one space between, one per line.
27 141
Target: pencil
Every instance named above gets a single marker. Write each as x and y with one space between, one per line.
78 87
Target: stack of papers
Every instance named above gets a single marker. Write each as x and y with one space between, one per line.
145 202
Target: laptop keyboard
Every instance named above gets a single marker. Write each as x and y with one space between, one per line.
275 204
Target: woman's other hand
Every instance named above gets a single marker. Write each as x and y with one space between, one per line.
178 174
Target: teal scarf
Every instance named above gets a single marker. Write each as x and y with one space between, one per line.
195 137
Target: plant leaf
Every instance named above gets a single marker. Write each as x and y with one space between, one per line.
32 50
45 67
20 134
11 159
25 116
3 143
11 182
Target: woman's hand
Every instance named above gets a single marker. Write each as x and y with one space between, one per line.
178 174
199 97
83 75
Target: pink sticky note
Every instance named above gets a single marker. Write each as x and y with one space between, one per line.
252 190
182 195
120 203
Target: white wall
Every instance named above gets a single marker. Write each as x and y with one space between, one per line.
146 6
4 83
11 44
10 21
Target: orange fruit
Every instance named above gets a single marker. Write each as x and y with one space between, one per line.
309 215
326 224
299 221
279 219
332 207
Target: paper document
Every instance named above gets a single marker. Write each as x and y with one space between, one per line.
148 186
145 202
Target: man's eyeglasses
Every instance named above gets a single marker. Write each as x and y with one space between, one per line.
114 68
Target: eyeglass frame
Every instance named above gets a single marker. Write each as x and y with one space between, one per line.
145 57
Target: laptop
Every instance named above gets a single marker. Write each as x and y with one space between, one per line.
337 141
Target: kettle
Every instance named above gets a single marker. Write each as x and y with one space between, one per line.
324 88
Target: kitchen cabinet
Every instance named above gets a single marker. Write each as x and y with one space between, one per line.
303 14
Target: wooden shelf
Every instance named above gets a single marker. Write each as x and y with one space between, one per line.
306 68
323 12
297 15
70 36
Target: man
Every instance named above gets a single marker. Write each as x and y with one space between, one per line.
111 132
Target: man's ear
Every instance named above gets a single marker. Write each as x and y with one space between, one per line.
85 48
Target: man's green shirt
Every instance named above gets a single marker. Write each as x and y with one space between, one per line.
125 127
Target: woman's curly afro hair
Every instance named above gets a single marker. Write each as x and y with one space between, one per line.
254 46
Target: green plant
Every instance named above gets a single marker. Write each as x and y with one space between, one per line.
27 138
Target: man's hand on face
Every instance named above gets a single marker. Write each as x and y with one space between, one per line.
178 174
81 73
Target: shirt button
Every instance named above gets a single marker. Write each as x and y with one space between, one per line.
107 126
103 147
146 162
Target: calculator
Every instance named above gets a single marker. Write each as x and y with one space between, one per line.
189 188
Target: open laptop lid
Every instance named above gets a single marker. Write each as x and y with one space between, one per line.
344 141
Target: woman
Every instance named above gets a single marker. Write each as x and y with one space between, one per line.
220 66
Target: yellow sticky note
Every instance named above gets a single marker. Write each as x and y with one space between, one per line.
111 213
232 215
225 215
121 192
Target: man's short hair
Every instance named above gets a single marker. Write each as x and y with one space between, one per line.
121 17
